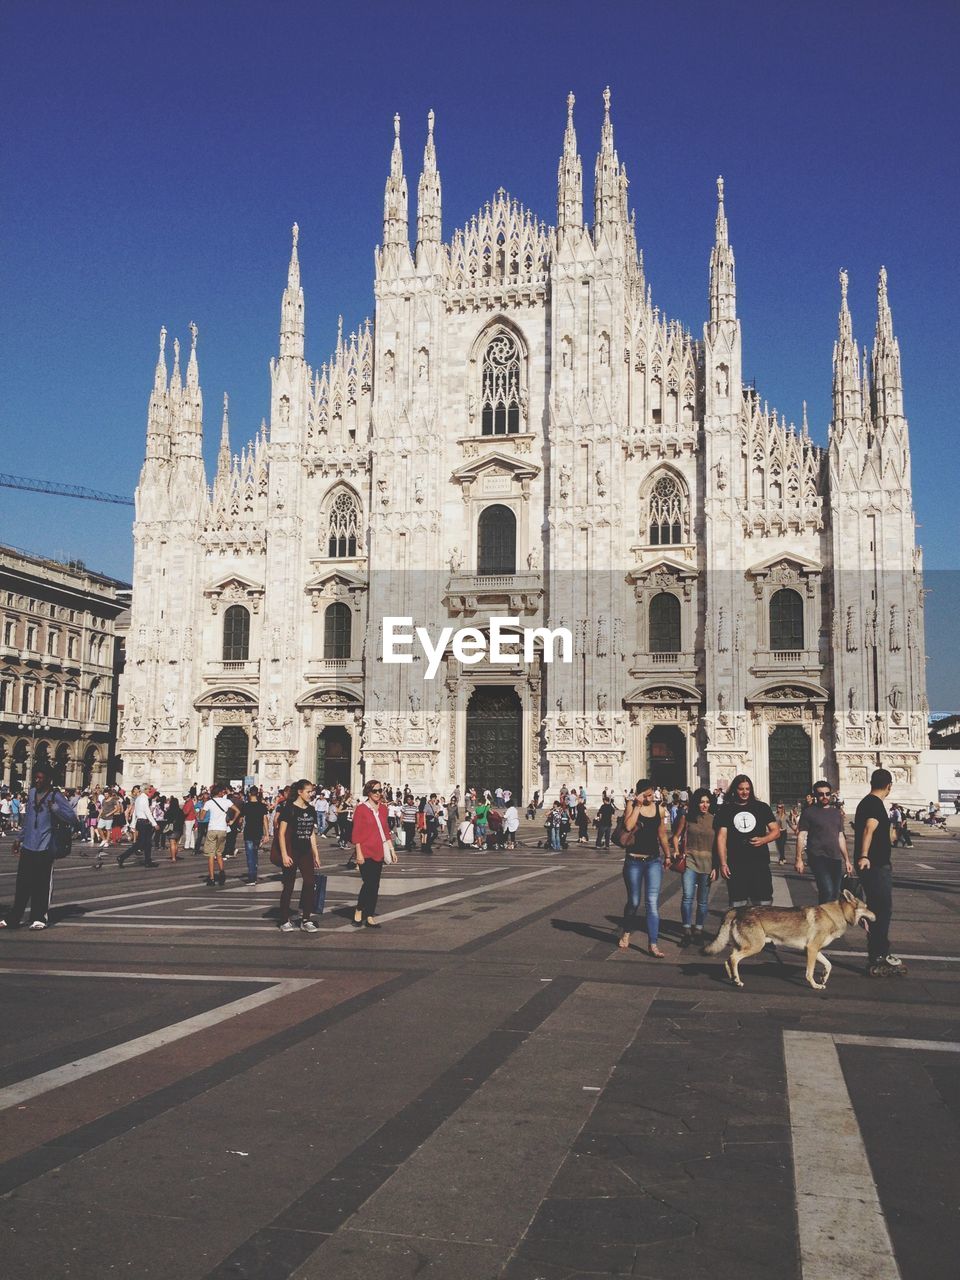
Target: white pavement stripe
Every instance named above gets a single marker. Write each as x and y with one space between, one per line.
14 1094
887 1042
154 977
840 1222
926 866
451 897
140 893
862 955
781 892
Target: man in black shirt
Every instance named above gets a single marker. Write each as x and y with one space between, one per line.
871 840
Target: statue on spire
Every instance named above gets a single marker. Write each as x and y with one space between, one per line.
607 187
428 195
395 195
723 281
570 178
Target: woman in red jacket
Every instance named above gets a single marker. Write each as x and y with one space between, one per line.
371 838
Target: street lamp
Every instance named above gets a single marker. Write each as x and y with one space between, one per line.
34 723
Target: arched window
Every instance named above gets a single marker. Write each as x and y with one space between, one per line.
496 541
786 620
500 386
665 623
337 622
236 634
666 512
343 526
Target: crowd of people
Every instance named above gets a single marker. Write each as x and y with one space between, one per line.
728 834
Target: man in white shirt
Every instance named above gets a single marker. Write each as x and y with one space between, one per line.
511 820
145 824
322 806
222 813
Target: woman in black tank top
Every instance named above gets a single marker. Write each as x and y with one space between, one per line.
643 864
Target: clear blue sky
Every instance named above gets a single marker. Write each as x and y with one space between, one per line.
154 158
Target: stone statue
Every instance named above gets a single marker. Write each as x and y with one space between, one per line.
876 731
852 697
418 489
169 703
895 698
601 479
564 481
723 631
603 636
602 700
533 558
414 699
723 381
456 560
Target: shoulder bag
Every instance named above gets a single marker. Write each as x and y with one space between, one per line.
389 857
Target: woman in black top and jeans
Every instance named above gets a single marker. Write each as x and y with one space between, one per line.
643 863
297 836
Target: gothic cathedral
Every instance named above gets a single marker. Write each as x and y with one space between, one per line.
521 433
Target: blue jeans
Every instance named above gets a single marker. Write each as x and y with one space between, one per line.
554 834
695 884
251 847
828 873
636 873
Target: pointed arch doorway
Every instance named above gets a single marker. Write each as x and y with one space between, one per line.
334 756
790 756
667 757
494 739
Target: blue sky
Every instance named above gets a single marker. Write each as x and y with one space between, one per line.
155 157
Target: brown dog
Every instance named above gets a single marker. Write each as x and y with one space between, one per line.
807 929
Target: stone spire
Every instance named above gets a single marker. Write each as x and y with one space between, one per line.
193 371
160 374
723 282
190 436
570 178
428 193
395 196
847 392
176 383
158 410
223 457
291 308
887 383
608 191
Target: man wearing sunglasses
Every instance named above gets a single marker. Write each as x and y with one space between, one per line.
820 836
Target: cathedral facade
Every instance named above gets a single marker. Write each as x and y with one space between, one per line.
521 433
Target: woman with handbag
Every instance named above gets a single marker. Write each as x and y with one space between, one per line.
173 827
372 848
694 835
646 850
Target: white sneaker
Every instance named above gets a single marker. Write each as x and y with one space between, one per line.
39 924
287 927
307 926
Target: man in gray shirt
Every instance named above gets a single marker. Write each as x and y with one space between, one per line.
820 836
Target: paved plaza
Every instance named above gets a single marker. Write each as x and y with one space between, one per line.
485 1088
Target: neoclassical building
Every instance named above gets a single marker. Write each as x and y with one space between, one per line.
521 432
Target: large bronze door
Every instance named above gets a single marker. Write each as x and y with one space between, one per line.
334 757
667 757
231 752
789 753
494 740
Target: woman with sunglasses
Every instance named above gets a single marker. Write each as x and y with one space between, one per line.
371 840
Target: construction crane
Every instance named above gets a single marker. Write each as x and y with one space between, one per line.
61 490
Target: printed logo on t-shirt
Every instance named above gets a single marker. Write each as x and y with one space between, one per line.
745 822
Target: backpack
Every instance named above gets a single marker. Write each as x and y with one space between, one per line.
61 832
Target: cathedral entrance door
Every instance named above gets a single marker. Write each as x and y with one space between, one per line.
494 740
667 757
334 752
791 764
231 751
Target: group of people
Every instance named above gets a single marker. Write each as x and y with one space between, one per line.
725 835
728 836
